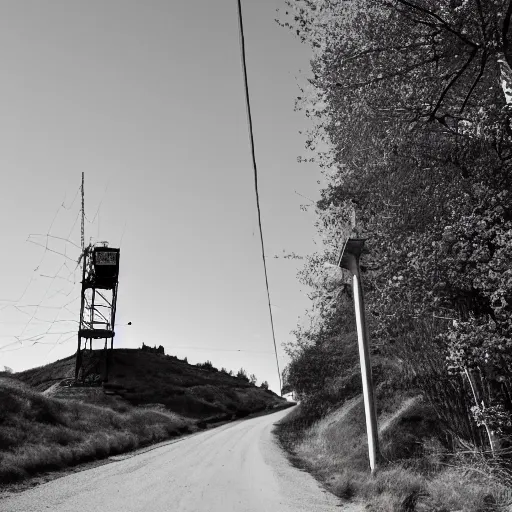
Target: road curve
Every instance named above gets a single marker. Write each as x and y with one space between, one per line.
237 467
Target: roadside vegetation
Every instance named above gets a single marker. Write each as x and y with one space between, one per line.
39 433
411 107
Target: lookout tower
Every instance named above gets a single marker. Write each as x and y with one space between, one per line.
100 279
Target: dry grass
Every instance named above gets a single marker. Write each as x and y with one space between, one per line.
414 474
455 489
38 433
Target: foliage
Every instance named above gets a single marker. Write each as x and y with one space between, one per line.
154 350
242 374
264 385
324 375
411 127
416 473
253 379
207 365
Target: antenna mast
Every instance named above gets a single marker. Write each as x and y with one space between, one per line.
83 215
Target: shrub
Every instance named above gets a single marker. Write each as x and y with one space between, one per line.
242 374
207 365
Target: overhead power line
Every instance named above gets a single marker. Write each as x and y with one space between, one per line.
188 347
251 138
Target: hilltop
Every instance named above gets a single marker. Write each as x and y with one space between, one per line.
142 378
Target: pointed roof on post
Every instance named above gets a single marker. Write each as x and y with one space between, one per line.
352 247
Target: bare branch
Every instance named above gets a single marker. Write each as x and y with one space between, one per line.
452 82
477 79
462 37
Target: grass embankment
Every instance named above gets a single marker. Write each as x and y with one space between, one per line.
38 433
416 473
142 378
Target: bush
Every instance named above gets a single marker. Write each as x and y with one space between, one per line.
264 385
325 374
207 365
242 374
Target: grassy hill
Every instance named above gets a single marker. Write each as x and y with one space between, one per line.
421 466
40 433
416 473
140 378
46 423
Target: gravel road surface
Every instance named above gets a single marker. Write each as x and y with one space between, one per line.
237 467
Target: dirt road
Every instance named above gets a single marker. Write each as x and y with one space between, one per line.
237 467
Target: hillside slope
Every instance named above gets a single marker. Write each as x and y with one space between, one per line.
416 473
141 378
39 433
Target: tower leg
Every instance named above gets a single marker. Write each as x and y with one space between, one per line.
78 363
105 368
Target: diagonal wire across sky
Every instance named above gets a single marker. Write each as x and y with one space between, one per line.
255 168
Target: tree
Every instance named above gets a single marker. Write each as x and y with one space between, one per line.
242 375
253 380
407 96
264 385
428 61
207 365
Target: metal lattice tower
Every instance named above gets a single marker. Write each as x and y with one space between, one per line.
98 301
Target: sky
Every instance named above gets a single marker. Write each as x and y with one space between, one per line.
147 99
